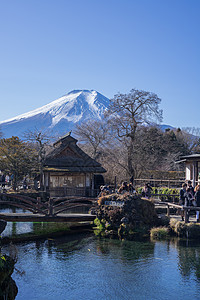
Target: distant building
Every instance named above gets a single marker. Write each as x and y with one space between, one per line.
70 171
192 167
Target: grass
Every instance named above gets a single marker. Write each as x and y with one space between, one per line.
159 232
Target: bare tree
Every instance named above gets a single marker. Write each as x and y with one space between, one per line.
42 142
191 136
128 111
94 133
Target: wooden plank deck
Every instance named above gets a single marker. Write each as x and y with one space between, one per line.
30 217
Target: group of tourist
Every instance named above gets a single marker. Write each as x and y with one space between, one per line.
5 179
189 196
126 187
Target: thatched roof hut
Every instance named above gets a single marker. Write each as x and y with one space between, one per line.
70 171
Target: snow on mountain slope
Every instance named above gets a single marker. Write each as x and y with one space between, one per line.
60 115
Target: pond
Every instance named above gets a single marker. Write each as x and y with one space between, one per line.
85 267
13 228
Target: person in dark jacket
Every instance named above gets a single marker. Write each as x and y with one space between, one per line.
3 180
189 197
123 188
190 187
182 198
146 191
197 199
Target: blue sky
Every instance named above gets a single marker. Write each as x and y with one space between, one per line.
50 47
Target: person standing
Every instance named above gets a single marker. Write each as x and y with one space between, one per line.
146 191
123 188
3 180
197 199
7 179
190 188
182 198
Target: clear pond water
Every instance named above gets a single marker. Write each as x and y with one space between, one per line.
85 267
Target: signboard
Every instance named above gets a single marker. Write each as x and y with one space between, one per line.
114 203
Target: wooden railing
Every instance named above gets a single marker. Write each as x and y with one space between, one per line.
69 191
160 182
181 207
50 208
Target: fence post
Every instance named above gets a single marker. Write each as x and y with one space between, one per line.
38 204
168 210
50 207
186 215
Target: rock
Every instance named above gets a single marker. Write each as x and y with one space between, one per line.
133 215
8 288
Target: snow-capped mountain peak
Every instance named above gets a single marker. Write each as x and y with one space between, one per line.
60 115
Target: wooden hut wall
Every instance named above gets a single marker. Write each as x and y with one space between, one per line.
69 180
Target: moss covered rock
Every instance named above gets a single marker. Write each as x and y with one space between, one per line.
135 215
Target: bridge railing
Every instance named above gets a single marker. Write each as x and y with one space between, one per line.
51 207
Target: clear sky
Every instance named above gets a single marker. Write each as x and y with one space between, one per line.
50 47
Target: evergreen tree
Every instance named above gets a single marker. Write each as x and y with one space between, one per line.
17 158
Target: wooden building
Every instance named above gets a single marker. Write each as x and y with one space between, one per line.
70 171
192 167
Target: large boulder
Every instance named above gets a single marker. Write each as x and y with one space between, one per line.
126 215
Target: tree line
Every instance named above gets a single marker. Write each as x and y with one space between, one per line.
127 141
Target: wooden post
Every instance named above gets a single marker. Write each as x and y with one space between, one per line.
168 210
38 204
186 216
50 207
115 183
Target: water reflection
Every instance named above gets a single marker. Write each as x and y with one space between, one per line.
100 268
83 266
189 258
14 228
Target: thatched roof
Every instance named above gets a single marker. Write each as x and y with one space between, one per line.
68 157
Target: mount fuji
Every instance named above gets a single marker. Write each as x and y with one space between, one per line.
59 116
